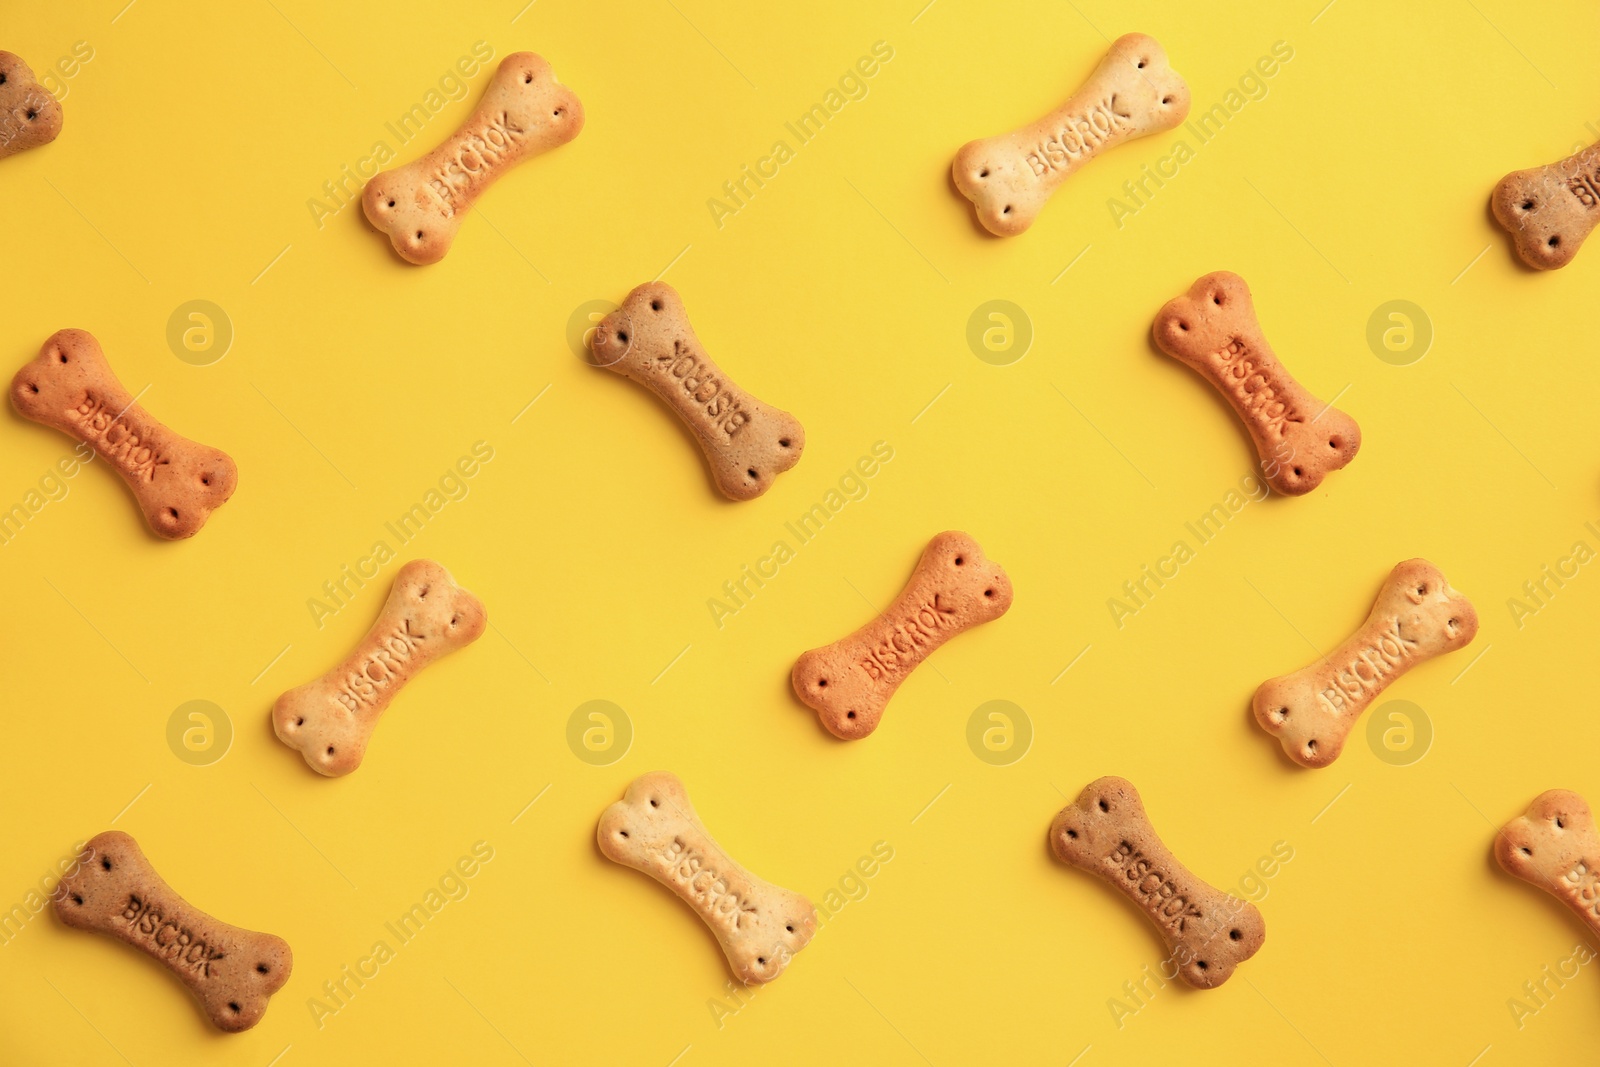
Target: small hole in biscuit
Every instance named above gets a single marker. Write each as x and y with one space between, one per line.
419 235
1453 623
1166 99
32 114
655 305
783 442
1006 210
761 960
1526 851
330 750
1283 713
301 721
622 337
1234 935
752 473
622 833
789 928
391 203
1216 299
1298 472
32 388
1184 326
2 79
959 561
1527 205
1200 964
1072 834
454 619
105 863
76 899
173 512
233 1006
527 78
1103 805
262 968
1141 64
1554 242
1333 442
1559 824
654 803
822 683
556 113
1311 746
849 714
62 356
1422 590
988 592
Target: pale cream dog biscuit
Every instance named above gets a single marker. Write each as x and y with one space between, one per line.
1549 210
1132 93
524 113
29 115
178 482
654 829
1554 846
331 720
649 340
953 589
1298 438
231 971
1416 617
1107 833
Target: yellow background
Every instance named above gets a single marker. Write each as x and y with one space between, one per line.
194 139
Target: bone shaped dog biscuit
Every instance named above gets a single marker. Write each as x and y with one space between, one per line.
1554 846
178 482
1213 329
114 890
649 340
953 589
654 829
1416 617
1549 210
29 115
1132 93
525 112
1106 832
331 720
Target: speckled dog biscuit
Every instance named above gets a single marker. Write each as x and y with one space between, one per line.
1555 847
649 340
1298 438
524 113
232 972
1133 92
29 115
329 721
1551 209
953 589
654 829
1107 833
1416 617
178 482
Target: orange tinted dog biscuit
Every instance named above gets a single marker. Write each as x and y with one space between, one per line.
953 589
1132 93
115 891
525 112
1549 210
331 720
1554 846
29 115
70 387
1213 329
649 340
1416 617
654 829
1107 833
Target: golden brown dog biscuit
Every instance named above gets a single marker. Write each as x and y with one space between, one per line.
178 482
231 971
29 115
1213 329
1107 833
1132 93
654 829
1555 847
953 589
525 112
649 340
329 721
1416 617
1549 210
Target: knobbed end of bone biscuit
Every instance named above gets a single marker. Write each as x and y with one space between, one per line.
112 889
1010 177
654 829
71 387
648 339
29 115
1213 329
850 682
1553 845
420 205
1106 832
1417 615
1549 211
330 721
